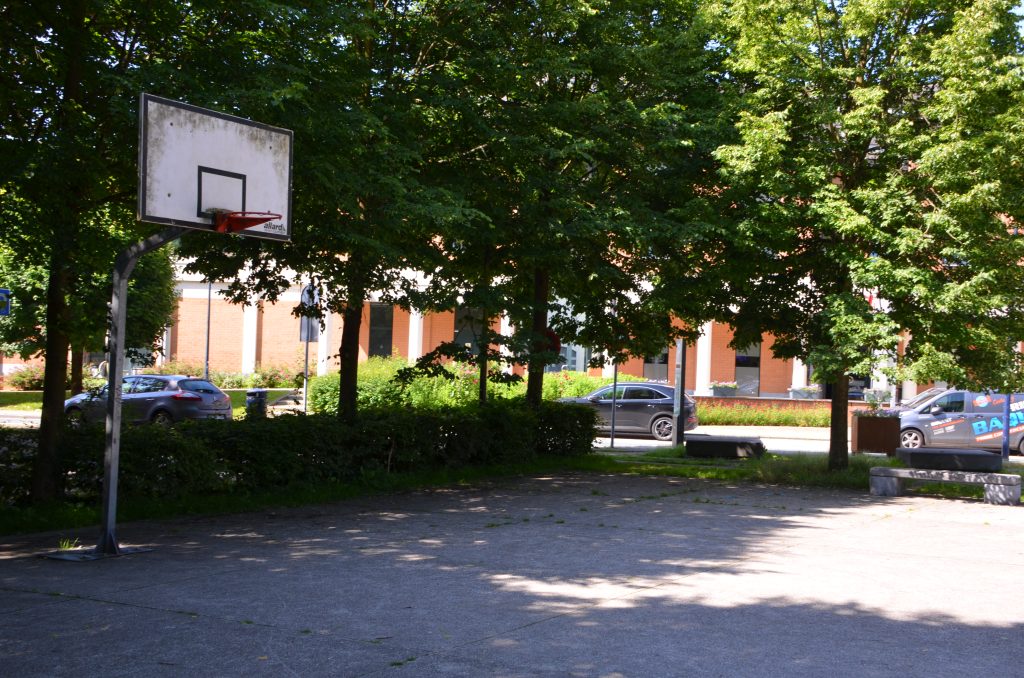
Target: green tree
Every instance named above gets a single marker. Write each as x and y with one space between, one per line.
879 157
69 85
361 73
152 300
578 137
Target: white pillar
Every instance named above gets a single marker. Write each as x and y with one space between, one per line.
415 335
506 330
799 374
909 389
250 325
702 373
323 346
165 347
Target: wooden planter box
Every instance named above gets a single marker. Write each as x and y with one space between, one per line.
875 434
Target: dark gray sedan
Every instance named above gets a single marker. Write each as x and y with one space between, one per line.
639 408
155 398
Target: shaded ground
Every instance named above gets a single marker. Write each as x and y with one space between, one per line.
576 575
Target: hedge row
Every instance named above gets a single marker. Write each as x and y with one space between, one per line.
261 454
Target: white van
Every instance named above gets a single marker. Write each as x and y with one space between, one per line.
957 418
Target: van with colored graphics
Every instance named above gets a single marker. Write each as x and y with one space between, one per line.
956 418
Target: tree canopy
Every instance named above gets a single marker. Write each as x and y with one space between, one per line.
843 175
872 187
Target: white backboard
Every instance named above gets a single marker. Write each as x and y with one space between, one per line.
193 160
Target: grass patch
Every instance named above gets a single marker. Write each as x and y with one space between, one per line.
33 400
21 400
60 516
753 413
796 471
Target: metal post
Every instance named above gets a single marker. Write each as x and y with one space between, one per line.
305 375
123 267
209 304
1006 425
678 406
615 389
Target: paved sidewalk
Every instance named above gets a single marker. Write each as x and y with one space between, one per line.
19 418
570 575
777 439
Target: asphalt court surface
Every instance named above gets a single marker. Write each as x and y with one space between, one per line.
567 575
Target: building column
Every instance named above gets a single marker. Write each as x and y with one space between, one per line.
323 346
250 338
702 373
909 389
799 374
505 329
415 335
165 347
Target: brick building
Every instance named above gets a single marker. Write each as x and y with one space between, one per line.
244 338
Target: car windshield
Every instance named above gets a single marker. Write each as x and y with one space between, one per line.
197 386
921 397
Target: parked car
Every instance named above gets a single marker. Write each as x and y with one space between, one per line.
639 408
155 398
957 418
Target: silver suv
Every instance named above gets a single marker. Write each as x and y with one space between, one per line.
156 398
957 418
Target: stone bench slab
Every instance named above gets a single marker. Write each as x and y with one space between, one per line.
724 447
1000 488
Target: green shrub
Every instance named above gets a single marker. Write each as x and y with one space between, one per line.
27 378
251 455
176 367
322 397
755 413
272 376
229 379
577 384
17 448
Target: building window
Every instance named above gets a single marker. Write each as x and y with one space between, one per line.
382 318
469 325
748 370
575 358
656 367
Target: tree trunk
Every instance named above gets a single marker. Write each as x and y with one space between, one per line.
535 376
77 358
46 466
482 363
838 449
352 319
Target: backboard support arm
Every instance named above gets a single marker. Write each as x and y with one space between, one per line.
123 268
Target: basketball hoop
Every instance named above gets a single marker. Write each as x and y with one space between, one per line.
232 222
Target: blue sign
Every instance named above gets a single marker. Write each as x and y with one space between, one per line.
5 302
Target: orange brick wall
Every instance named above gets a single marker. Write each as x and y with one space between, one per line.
632 367
437 329
723 358
279 344
364 334
776 373
188 336
691 366
400 333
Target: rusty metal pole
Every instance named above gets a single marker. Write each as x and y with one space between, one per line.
123 267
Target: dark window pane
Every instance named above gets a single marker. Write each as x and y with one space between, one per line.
381 326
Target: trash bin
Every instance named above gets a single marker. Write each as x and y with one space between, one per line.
256 403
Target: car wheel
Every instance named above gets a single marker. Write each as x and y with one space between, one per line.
74 417
911 438
661 428
162 418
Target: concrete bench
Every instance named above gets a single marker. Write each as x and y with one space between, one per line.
724 447
1000 488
